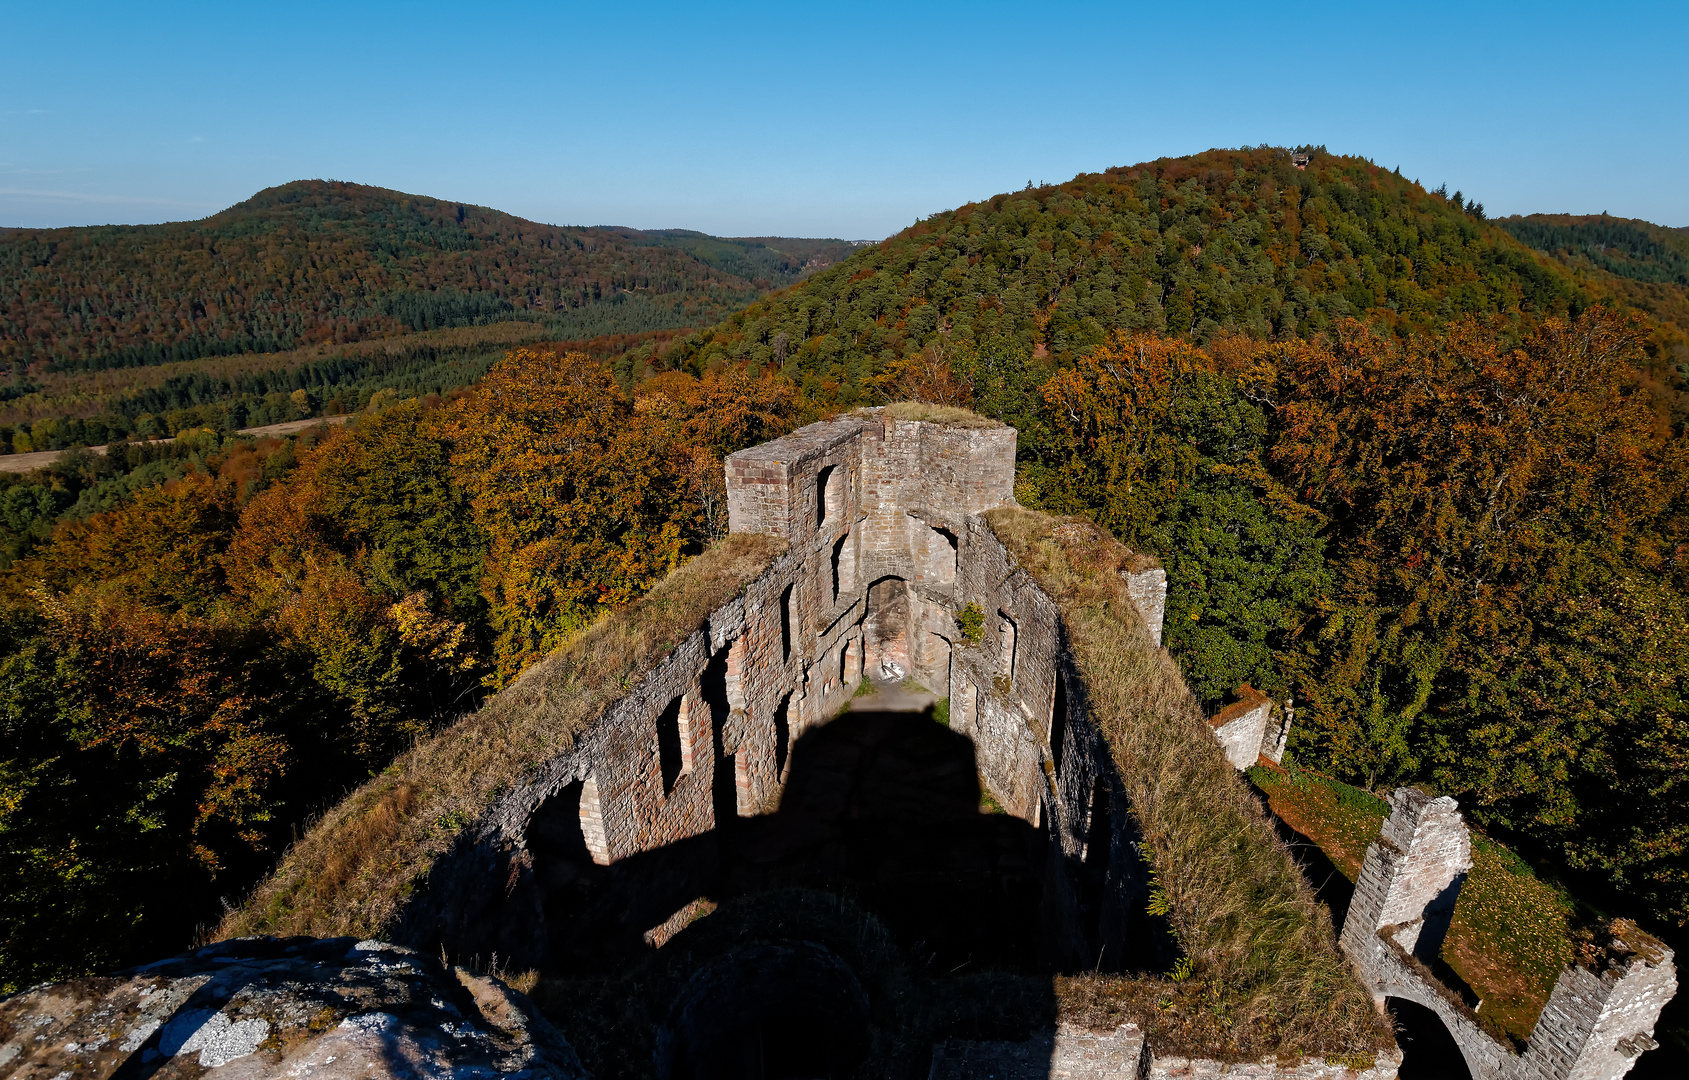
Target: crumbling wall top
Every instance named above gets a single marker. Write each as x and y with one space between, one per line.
878 461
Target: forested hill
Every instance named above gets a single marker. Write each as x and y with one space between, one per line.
1625 247
1643 264
319 262
1219 243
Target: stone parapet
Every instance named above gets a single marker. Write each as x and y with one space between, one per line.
1148 590
1242 727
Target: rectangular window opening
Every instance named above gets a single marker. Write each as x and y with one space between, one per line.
786 623
671 743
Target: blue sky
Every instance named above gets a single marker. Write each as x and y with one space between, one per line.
819 120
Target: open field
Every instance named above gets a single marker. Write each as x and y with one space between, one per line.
22 463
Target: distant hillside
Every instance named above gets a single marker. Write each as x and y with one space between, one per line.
1644 265
1224 242
1625 247
316 262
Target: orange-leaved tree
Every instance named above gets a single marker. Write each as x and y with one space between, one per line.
582 500
368 561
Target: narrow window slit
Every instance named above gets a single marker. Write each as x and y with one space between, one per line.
786 624
782 735
672 756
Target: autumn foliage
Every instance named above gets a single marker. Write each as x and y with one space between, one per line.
1463 555
223 654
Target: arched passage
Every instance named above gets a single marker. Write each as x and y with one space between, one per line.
567 872
1429 1051
886 628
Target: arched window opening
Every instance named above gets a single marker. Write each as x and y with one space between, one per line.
941 556
825 497
555 833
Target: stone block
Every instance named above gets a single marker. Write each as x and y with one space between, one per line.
1241 727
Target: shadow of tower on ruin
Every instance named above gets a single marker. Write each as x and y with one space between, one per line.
880 807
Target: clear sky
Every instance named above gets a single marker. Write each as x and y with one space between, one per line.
819 120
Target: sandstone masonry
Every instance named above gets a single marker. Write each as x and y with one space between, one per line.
1600 1016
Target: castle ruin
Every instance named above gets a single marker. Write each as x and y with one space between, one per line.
732 767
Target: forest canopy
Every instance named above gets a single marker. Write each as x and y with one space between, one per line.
192 674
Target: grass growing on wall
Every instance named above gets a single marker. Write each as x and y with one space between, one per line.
1511 931
1510 937
1265 975
1340 819
353 871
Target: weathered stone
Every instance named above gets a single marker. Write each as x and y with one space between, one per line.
1148 589
1598 1018
1277 735
1242 727
1075 1054
263 1007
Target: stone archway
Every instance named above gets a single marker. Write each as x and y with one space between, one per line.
885 628
1429 1050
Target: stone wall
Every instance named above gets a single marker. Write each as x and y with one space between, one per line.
1253 727
886 545
1123 1054
1148 589
1242 727
1600 1016
880 515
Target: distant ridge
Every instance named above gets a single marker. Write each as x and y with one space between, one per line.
318 262
1627 247
1640 264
